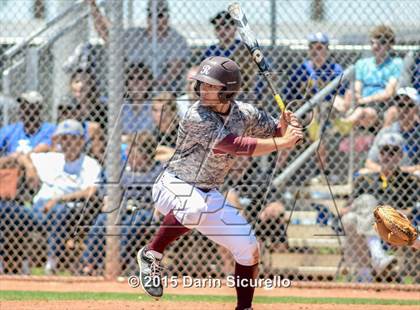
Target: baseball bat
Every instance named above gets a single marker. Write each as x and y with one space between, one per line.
253 47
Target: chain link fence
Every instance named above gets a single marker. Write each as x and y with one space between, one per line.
92 93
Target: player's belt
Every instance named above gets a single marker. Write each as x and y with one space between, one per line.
205 190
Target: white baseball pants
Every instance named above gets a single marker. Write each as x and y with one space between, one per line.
210 214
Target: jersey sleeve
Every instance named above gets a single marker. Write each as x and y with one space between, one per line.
358 69
49 130
396 69
93 173
260 123
46 165
3 140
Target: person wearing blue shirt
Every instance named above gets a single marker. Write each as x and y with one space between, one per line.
225 30
30 134
376 79
308 78
415 69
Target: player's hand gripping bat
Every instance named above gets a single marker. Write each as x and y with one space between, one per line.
252 45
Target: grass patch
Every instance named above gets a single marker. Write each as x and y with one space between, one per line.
35 295
39 271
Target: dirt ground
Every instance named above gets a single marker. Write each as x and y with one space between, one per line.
114 286
112 305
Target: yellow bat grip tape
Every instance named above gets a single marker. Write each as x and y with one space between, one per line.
280 102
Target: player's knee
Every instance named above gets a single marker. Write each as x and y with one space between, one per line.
248 254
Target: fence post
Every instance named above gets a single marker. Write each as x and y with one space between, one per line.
351 136
32 69
115 91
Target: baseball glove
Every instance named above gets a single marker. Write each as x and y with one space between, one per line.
393 226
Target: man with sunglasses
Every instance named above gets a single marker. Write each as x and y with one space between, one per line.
167 53
408 125
388 186
376 79
225 30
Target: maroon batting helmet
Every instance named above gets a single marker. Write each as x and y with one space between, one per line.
219 71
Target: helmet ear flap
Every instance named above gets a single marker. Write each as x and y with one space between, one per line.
197 88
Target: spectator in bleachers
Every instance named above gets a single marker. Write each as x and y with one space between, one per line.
186 100
408 125
136 211
93 133
136 112
61 181
272 228
68 181
166 120
307 79
376 79
30 133
88 104
390 186
225 30
170 59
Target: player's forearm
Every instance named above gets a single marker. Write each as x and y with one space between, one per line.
270 145
382 96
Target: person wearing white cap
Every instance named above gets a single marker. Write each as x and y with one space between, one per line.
30 133
405 97
65 177
408 126
59 179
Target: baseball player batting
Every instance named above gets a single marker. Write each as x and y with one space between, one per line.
215 130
